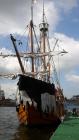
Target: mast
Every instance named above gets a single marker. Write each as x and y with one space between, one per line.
31 36
16 50
43 36
31 42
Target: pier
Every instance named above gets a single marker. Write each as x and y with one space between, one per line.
67 130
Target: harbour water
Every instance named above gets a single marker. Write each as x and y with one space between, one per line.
10 129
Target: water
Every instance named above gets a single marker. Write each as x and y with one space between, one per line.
10 129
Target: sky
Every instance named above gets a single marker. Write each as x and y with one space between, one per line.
63 19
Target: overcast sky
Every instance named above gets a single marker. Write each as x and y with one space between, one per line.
63 18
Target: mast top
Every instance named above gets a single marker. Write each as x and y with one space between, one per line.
43 12
32 10
44 25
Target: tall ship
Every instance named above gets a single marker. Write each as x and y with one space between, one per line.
39 101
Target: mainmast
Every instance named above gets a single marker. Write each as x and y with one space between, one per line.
31 36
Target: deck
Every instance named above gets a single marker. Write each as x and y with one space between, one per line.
68 130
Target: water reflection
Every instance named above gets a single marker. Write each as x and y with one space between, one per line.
11 130
24 133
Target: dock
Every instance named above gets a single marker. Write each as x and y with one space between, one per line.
67 130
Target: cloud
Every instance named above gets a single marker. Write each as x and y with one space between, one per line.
73 78
12 16
8 64
71 86
5 51
15 15
70 60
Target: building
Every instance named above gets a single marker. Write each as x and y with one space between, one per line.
75 97
2 95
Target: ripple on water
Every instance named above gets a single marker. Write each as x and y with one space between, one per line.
11 130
